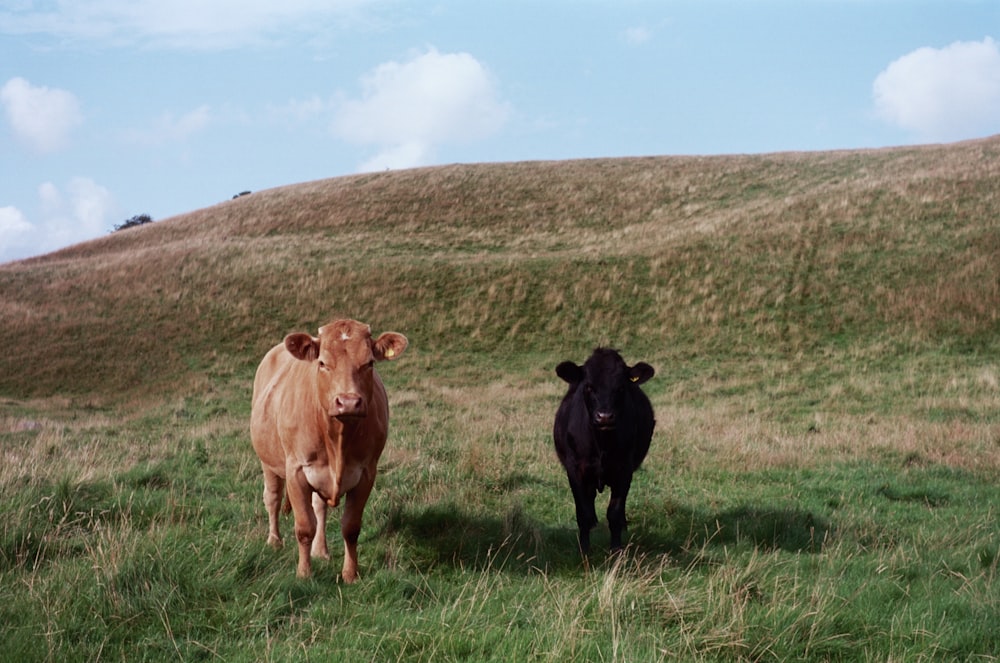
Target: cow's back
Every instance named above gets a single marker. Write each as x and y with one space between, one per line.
644 422
571 430
274 376
269 367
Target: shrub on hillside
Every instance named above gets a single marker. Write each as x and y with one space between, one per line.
137 220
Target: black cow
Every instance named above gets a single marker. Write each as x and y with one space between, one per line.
602 433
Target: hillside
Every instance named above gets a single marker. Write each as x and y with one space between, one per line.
872 252
823 478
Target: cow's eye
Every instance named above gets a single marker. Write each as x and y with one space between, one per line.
322 365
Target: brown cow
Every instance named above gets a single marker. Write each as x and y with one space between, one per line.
319 422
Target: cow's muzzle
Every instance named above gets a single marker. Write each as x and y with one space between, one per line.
347 406
604 420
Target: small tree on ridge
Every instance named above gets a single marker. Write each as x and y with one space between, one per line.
137 220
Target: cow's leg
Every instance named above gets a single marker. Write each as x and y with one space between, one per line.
319 548
300 496
274 490
616 512
350 523
584 494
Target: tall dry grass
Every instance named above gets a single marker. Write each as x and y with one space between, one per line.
745 253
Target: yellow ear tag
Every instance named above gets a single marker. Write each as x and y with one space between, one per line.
390 353
634 378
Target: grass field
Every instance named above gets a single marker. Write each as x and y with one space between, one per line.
823 483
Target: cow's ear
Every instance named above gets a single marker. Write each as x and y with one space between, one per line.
640 372
302 346
389 346
570 372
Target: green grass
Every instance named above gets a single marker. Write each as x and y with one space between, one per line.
822 485
467 556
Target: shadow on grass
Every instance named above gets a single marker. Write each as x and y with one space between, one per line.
790 530
512 541
516 542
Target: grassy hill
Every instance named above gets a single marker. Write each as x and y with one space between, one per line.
872 251
738 256
822 484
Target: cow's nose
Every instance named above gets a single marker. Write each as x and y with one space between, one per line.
604 419
349 405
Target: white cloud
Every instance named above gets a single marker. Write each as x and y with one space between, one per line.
943 94
216 24
638 35
168 128
398 157
40 117
17 235
15 231
408 109
83 211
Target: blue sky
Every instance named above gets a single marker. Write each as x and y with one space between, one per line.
113 108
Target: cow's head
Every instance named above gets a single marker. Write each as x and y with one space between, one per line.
344 355
604 381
